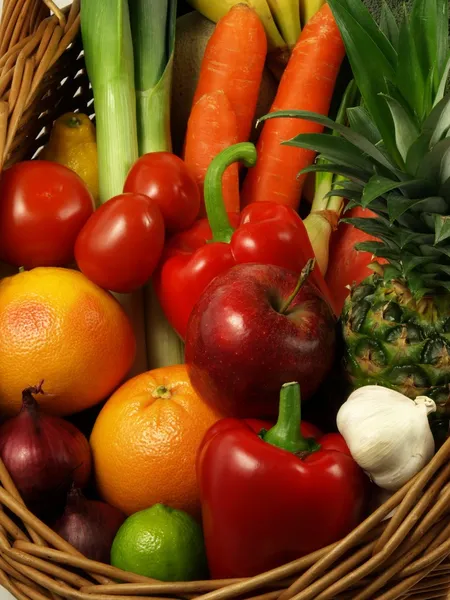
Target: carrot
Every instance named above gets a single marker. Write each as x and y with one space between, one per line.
307 84
212 127
234 62
348 266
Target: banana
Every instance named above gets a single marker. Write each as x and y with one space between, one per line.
308 9
216 9
286 14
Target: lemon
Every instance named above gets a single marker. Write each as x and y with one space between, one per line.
162 543
73 144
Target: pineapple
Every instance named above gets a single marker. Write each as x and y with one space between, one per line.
395 158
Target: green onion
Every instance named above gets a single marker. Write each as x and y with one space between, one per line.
108 49
153 27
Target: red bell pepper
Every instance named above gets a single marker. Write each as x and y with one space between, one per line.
266 233
271 498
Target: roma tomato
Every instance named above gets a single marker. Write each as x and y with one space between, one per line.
166 179
121 244
43 206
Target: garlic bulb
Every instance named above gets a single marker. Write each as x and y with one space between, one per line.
387 433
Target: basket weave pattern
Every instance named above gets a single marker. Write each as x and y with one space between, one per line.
42 76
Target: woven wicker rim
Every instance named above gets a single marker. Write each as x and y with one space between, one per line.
27 58
386 557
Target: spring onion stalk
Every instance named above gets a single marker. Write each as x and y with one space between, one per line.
153 29
325 210
108 48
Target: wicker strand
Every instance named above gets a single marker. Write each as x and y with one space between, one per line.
377 559
19 32
438 554
47 567
412 517
45 61
11 10
405 585
10 487
432 583
28 45
15 573
267 596
410 500
441 506
11 527
3 129
32 593
410 492
45 532
9 58
74 14
57 11
323 565
12 587
47 32
12 563
17 79
68 592
80 562
67 39
15 117
397 566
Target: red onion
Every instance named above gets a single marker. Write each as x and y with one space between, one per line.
90 526
44 456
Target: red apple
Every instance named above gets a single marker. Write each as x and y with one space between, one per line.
243 341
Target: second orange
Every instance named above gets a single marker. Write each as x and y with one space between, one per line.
145 442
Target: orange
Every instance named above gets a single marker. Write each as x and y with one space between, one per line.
145 442
57 326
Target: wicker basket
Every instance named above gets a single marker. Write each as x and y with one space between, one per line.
407 556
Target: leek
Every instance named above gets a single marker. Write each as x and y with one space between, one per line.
153 25
153 28
108 49
325 210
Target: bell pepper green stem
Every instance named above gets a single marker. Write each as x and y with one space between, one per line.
244 152
286 432
306 271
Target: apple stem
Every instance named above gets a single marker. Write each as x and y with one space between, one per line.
306 271
219 222
286 432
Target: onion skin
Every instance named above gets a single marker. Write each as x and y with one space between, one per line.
90 526
44 455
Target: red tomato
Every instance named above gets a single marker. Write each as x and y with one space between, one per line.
121 244
43 206
166 179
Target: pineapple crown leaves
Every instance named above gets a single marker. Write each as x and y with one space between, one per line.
395 154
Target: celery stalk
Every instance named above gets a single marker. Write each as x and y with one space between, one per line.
108 48
153 28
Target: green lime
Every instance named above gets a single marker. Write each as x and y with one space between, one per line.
162 543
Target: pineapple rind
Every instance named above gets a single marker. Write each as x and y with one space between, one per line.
394 341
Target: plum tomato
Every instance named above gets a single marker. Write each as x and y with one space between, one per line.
166 179
43 206
121 243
